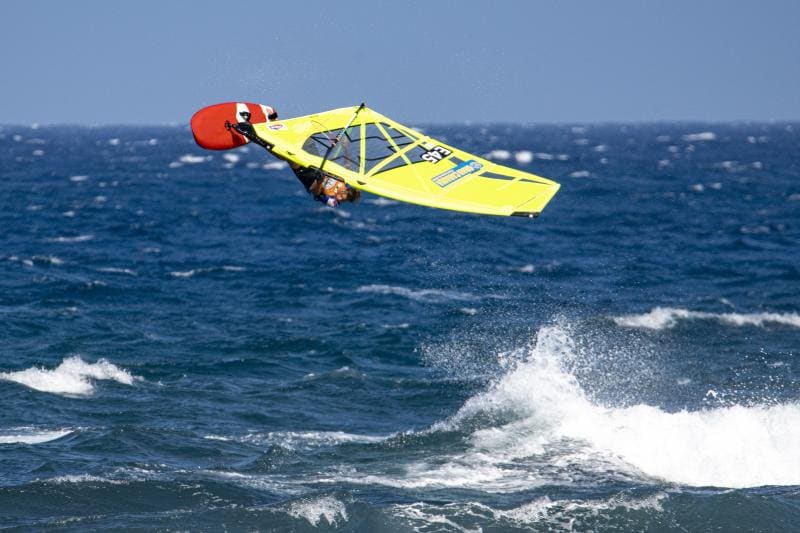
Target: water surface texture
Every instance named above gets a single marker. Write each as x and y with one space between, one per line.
188 342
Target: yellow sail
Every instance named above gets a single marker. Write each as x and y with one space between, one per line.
378 155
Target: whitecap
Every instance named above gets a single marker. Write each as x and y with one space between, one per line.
50 259
326 508
381 201
302 440
192 272
733 446
115 270
231 158
699 137
274 165
422 295
71 240
403 325
78 179
660 318
523 157
73 377
190 159
580 174
29 435
498 154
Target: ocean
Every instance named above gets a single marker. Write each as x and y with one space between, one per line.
190 343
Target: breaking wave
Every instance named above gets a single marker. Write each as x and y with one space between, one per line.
667 317
29 435
535 426
326 510
544 511
300 440
422 295
73 377
733 446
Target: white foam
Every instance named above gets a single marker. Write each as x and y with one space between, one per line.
78 179
730 447
702 136
500 155
580 174
85 478
301 440
190 159
73 377
536 426
50 259
231 158
382 202
660 318
192 272
523 157
544 512
274 165
434 518
71 240
115 270
423 295
28 435
316 510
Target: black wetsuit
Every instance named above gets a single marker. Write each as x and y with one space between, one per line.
307 176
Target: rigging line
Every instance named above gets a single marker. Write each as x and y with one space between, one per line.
341 134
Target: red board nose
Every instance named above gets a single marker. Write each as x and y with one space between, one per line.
208 124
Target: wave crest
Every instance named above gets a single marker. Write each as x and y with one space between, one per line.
73 377
660 318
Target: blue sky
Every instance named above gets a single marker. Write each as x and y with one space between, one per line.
156 62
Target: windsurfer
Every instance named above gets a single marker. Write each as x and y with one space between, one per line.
323 187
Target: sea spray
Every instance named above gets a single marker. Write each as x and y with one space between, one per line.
73 377
733 446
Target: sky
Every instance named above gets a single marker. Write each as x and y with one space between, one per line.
534 61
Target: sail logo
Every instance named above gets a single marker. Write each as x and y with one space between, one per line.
456 173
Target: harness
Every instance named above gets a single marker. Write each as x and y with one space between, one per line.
330 188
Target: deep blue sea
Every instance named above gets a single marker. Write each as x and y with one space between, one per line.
189 343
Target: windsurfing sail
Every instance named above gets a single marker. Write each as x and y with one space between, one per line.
379 155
